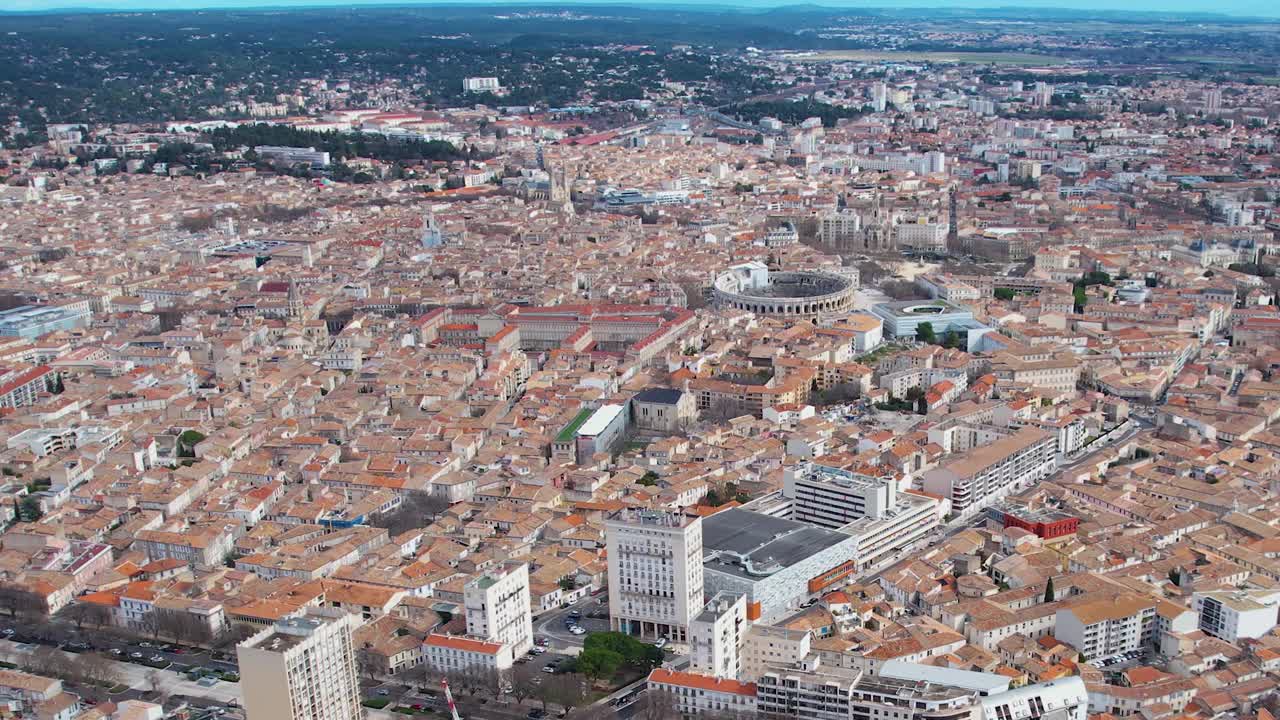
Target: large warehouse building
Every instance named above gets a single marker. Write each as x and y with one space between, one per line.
776 562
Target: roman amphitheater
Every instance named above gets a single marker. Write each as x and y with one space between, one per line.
814 295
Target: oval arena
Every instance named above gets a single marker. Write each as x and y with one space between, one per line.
803 295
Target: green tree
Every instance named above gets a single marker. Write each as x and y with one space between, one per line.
187 442
599 663
1005 293
649 479
925 333
29 509
1048 591
634 652
1081 299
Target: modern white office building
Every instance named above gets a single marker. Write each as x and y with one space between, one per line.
497 607
884 520
808 689
816 692
302 668
655 572
833 498
32 321
1237 614
1061 699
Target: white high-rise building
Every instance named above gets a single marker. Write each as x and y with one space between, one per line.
937 161
1212 100
655 572
879 96
480 84
838 228
885 521
497 607
1044 94
716 637
302 668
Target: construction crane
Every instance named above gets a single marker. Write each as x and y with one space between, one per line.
448 696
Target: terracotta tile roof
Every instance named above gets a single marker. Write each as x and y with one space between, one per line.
460 643
701 682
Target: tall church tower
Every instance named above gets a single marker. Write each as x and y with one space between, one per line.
559 192
295 301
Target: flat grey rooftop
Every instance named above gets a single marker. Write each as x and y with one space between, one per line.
767 544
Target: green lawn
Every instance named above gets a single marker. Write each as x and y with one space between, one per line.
571 429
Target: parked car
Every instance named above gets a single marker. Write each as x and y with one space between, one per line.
135 655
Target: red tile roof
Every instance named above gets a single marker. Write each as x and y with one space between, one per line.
460 643
701 682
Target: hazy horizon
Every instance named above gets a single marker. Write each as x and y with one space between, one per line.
1235 8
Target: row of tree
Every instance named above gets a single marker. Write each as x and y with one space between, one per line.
340 146
793 113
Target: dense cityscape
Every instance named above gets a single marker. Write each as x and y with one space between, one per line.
607 362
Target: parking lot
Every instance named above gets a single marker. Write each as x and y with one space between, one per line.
1122 661
197 663
591 614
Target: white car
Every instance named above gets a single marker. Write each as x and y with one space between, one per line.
662 642
577 630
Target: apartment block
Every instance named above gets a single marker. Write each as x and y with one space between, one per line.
994 471
497 607
692 695
449 653
655 572
1233 615
717 634
1103 628
301 668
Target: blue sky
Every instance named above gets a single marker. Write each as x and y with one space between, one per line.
1256 8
